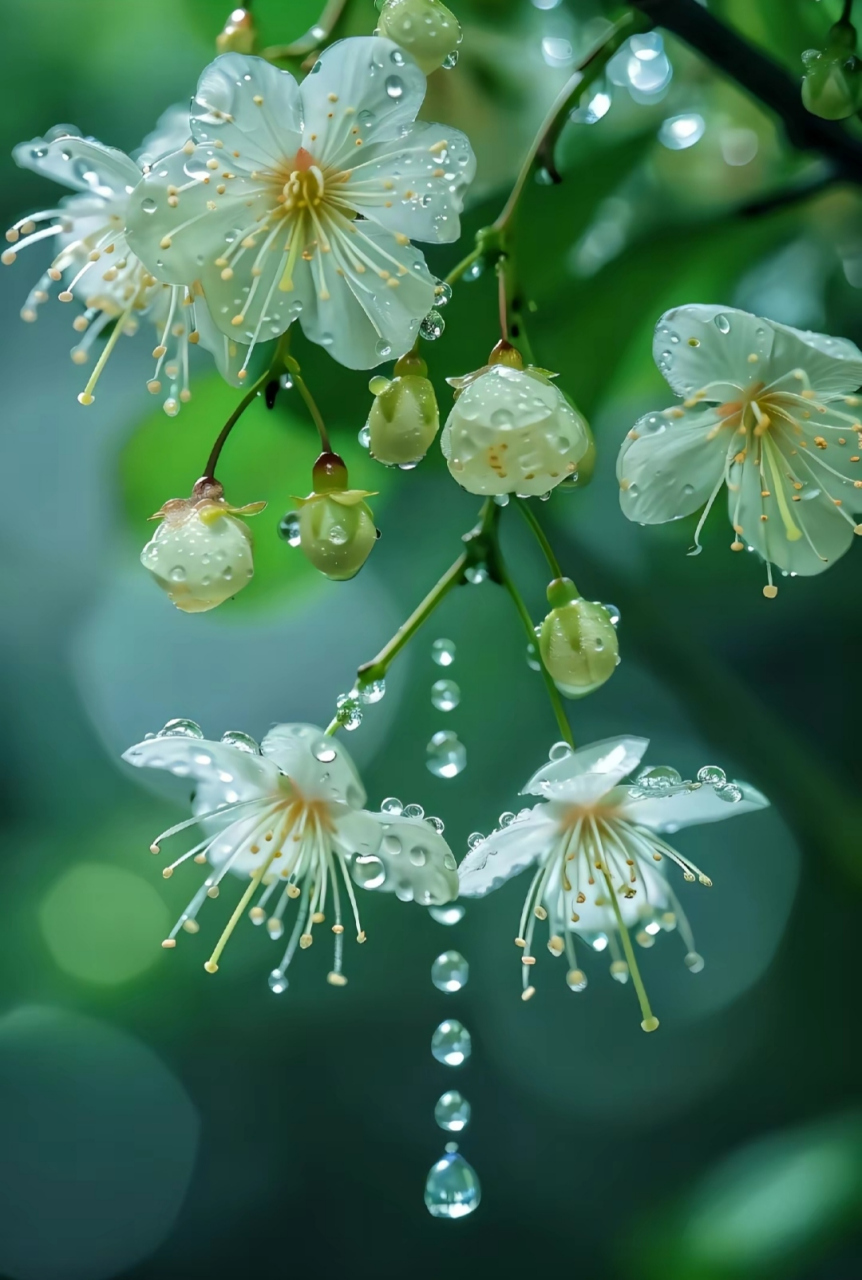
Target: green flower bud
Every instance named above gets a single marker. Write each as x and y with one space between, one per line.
404 419
238 34
336 527
832 83
577 641
425 28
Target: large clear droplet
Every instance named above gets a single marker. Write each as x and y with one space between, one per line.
452 1188
368 872
446 755
710 775
288 529
445 695
450 971
241 741
277 982
451 1043
443 652
432 326
181 729
452 1111
373 691
449 915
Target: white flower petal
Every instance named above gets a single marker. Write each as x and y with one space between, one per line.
366 84
181 243
356 833
319 767
698 347
594 918
589 772
689 808
360 317
171 132
415 185
250 106
831 364
669 467
417 862
231 356
80 163
224 774
506 852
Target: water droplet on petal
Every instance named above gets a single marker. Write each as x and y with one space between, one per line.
448 915
368 872
710 774
394 87
722 324
364 436
393 806
451 1043
450 971
181 729
324 751
241 741
728 791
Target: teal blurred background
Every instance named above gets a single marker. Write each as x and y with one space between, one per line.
156 1122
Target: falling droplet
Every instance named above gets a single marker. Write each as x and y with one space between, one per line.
288 529
452 1188
449 915
443 652
446 755
451 1043
181 729
475 269
241 741
450 971
445 695
452 1111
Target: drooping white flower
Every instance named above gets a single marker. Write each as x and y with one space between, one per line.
287 817
596 845
512 431
95 266
770 411
299 200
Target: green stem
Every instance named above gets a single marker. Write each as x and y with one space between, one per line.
464 265
540 536
314 37
251 394
317 418
650 1021
553 692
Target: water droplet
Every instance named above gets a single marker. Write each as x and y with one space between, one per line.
722 324
368 872
373 691
445 695
728 791
337 535
364 436
288 528
148 205
437 823
442 293
576 980
476 574
694 962
177 574
475 269
452 1111
660 778
474 838
397 57
505 819
349 712
277 981
443 652
533 658
324 751
450 971
501 499
394 87
181 729
432 326
710 774
559 751
392 805
446 755
414 811
449 915
452 1188
286 382
613 613
451 1043
383 348
241 741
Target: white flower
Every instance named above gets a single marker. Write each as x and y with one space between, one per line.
98 269
287 816
512 431
201 555
769 411
300 200
596 846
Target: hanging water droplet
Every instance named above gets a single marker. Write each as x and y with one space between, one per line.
475 269
450 61
533 658
576 980
364 436
277 982
445 695
694 962
446 755
241 741
181 729
394 87
393 806
613 613
450 971
288 529
349 712
432 326
501 499
373 691
710 774
722 324
449 915
368 871
442 293
452 1111
451 1043
452 1188
286 382
443 652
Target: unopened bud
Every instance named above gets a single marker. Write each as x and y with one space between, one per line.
404 419
832 83
336 527
201 554
577 641
425 28
239 34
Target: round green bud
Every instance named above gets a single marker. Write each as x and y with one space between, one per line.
337 532
578 643
404 418
426 29
832 83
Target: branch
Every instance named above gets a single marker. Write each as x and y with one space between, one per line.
759 76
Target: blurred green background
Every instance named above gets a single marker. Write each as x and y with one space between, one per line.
155 1122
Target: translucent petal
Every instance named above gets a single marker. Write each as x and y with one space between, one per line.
415 185
588 773
318 766
832 364
254 133
689 808
80 163
364 83
671 466
506 852
418 863
832 445
223 774
231 356
172 131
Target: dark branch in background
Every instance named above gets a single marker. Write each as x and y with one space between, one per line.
759 76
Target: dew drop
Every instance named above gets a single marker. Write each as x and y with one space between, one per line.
324 751
373 691
364 436
393 806
241 741
348 711
368 871
443 652
452 1111
729 792
394 87
288 529
710 775
450 61
446 755
448 915
432 326
451 1043
694 962
148 205
722 324
450 971
533 658
445 695
181 729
